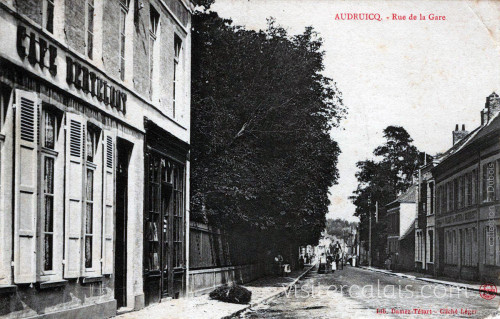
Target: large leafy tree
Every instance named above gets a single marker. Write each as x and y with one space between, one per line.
262 156
383 179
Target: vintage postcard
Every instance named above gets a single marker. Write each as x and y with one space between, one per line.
249 159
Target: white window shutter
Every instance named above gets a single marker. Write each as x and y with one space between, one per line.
73 213
25 199
108 202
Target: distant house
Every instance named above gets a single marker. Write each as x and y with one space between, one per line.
468 200
400 217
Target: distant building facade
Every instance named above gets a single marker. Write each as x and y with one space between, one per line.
425 242
400 218
468 201
94 165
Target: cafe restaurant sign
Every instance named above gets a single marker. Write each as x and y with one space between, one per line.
89 82
37 49
40 51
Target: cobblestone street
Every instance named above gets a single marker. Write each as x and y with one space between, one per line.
361 293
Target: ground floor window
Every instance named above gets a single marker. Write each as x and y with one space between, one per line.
57 216
431 246
489 245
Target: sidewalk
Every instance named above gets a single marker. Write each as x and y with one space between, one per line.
203 307
428 278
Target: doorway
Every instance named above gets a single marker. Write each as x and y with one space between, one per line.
164 266
124 149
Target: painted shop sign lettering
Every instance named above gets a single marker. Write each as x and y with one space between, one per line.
38 50
89 82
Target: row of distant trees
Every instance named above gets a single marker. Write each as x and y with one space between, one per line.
262 156
340 227
382 180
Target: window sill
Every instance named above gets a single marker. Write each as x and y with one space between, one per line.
8 289
89 280
51 284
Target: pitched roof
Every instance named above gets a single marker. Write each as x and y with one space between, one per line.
410 196
481 131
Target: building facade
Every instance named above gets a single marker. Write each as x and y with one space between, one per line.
400 219
94 162
468 201
425 224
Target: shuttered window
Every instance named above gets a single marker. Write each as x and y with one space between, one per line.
109 203
25 192
74 195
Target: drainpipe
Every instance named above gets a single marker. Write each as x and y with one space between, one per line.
188 222
479 185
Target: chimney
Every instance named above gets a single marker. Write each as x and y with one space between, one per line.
491 107
484 116
459 134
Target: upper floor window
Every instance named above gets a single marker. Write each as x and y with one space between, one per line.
455 194
48 15
154 19
489 182
468 189
123 19
461 193
432 195
177 53
89 28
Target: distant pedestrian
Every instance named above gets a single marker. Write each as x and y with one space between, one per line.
301 262
278 262
388 262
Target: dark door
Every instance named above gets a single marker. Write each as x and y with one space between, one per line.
123 156
163 243
152 230
440 252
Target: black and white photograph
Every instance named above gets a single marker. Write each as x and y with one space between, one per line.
248 159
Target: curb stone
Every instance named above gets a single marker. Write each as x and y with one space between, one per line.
435 281
270 296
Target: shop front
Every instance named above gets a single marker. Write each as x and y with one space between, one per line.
164 265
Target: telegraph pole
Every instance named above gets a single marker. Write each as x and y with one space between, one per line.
370 234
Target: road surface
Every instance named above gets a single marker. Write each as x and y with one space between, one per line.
359 293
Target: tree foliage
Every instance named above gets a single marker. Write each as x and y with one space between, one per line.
382 180
262 156
339 227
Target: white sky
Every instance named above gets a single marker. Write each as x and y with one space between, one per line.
426 76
